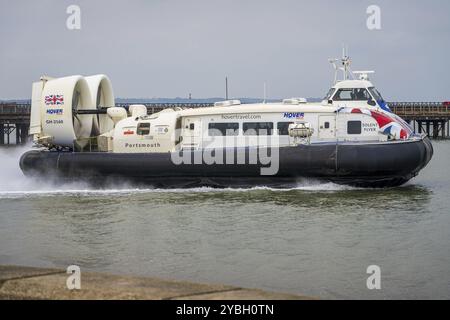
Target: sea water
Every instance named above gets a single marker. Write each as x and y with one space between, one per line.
316 239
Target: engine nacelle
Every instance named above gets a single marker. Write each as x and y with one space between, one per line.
57 105
60 98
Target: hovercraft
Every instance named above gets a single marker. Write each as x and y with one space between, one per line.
351 137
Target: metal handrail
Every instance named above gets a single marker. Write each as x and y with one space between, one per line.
15 108
420 109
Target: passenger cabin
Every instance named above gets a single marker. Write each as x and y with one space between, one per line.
230 125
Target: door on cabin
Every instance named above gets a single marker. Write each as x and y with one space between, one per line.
191 133
327 127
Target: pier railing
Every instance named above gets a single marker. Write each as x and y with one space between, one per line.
421 110
156 107
14 109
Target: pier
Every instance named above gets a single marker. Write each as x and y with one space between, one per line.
14 123
431 118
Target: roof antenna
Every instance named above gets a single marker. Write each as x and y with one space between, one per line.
346 63
343 65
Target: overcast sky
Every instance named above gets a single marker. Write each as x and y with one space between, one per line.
170 48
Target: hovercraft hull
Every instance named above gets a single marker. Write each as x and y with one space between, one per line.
364 165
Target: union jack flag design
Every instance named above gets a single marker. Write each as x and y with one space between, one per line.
388 123
54 99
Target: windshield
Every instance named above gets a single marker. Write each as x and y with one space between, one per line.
356 94
328 96
376 95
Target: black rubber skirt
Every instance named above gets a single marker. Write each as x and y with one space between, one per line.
365 165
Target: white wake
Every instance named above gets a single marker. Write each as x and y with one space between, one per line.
13 184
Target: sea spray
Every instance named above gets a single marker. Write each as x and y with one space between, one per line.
11 177
14 184
13 180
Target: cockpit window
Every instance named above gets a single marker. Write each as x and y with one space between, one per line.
328 96
376 95
359 94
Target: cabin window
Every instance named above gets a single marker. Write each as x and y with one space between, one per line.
143 128
223 129
283 128
360 94
258 128
353 127
328 96
326 125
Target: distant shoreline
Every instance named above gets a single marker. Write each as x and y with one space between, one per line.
171 100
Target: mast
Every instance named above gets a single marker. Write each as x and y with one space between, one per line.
344 66
226 88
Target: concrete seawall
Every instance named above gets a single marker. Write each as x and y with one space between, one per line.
17 282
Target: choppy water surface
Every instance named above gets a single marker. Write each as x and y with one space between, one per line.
316 239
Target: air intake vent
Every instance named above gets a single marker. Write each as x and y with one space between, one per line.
227 103
294 101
